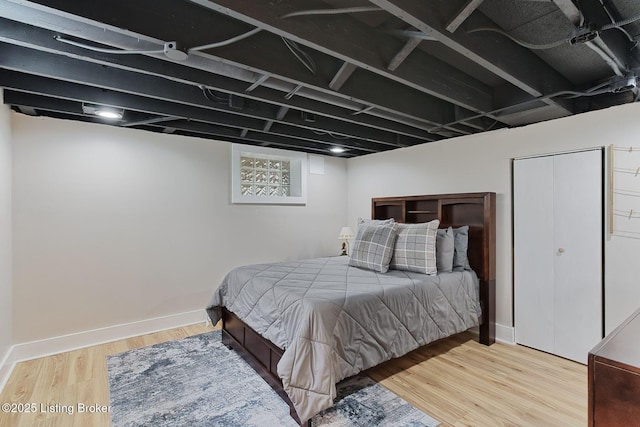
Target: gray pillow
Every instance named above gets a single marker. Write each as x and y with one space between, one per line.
415 248
444 250
373 247
461 244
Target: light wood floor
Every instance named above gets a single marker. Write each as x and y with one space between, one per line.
457 381
463 383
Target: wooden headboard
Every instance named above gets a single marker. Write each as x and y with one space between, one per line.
478 211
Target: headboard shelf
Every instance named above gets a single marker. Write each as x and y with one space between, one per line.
478 211
422 212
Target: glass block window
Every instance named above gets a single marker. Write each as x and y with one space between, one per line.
264 175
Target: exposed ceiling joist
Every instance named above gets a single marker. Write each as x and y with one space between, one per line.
570 10
212 72
406 50
252 138
313 75
462 15
341 76
505 59
149 121
73 92
436 79
73 70
263 78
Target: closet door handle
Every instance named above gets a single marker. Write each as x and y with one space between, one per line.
561 250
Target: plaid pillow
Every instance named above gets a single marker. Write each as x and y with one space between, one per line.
415 248
373 247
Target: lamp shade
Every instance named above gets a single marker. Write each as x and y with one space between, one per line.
346 233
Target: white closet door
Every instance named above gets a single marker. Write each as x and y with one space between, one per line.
558 253
577 253
533 272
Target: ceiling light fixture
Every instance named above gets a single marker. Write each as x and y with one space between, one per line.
337 150
103 111
109 114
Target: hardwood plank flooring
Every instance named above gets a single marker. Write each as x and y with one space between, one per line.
72 378
456 380
463 383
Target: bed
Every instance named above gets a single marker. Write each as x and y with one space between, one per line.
306 325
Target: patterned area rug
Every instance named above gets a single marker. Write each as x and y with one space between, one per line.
189 382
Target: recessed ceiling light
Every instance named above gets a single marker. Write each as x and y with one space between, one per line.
337 150
110 113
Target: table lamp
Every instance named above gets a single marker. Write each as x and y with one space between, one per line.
346 233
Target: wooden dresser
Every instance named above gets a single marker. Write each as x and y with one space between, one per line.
614 377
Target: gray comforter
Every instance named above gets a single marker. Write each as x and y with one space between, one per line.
334 320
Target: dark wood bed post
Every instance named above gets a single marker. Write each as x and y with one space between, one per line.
488 282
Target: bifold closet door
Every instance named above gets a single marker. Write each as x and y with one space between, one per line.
558 253
578 230
533 240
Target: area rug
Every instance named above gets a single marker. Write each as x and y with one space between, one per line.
197 381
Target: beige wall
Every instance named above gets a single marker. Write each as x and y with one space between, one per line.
482 162
113 225
6 276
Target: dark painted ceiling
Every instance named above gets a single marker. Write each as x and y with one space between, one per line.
311 75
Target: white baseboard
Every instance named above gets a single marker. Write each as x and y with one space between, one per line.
49 346
5 368
505 334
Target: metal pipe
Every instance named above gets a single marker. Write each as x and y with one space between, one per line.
332 11
226 42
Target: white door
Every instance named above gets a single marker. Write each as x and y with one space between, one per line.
558 253
533 237
577 253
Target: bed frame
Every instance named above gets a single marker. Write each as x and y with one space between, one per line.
477 210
